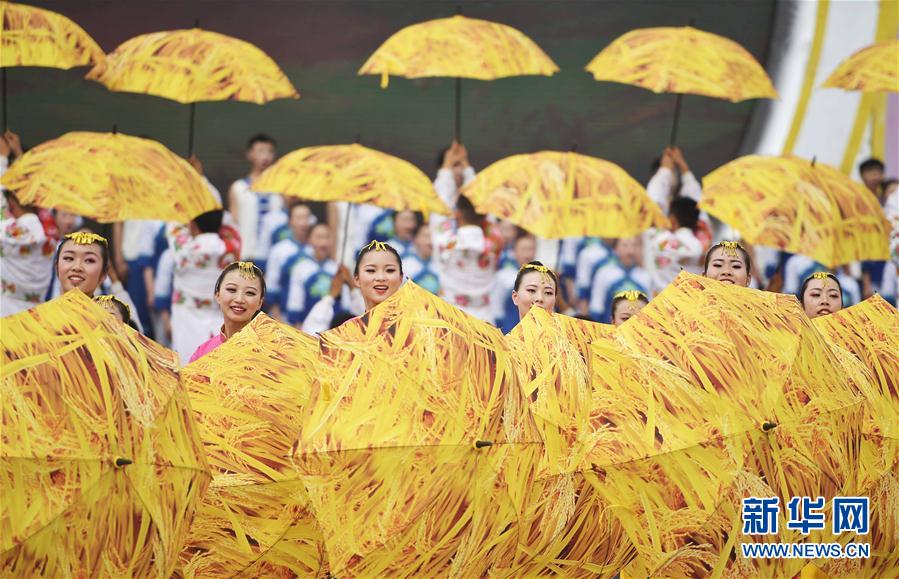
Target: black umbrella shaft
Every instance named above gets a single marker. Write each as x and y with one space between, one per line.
677 107
190 136
458 110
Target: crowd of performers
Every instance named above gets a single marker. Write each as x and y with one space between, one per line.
193 286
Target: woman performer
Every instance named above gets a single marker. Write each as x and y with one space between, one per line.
821 294
626 304
240 293
537 285
728 262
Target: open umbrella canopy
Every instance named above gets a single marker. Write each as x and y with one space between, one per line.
458 47
101 467
110 177
414 410
868 333
351 173
872 69
556 194
191 66
569 527
740 397
31 36
798 206
683 60
247 397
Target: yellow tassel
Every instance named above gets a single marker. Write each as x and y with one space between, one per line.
385 79
86 238
376 246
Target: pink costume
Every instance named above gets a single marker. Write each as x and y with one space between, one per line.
208 346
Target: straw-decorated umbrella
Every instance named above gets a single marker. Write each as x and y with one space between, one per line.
110 177
352 173
414 412
31 36
560 194
101 466
191 66
247 397
798 206
682 60
874 68
752 402
569 528
458 47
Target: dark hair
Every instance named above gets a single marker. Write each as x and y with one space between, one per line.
466 208
104 252
260 138
11 197
818 275
884 185
685 211
377 246
740 248
535 266
209 222
871 164
247 265
522 234
123 308
620 298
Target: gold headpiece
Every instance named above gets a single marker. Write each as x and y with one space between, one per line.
109 299
376 246
822 275
631 295
86 238
541 268
730 247
247 269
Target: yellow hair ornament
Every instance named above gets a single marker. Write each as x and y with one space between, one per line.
86 238
822 275
731 247
541 268
376 246
631 295
247 269
110 299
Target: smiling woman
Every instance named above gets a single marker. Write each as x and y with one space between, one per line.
240 293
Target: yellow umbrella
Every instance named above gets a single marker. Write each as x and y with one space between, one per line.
110 177
798 206
742 398
868 334
413 413
555 194
684 61
247 397
191 66
101 467
351 173
458 47
871 69
32 36
569 527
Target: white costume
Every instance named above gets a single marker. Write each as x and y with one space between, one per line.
251 209
610 279
196 316
26 263
668 252
310 281
277 258
593 253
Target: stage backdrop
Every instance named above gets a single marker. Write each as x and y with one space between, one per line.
321 45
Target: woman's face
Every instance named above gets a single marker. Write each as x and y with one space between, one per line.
239 297
727 266
536 289
379 277
822 297
404 225
625 310
80 267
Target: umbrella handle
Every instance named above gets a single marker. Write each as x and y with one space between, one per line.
677 107
458 110
483 443
346 232
190 130
120 462
5 125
